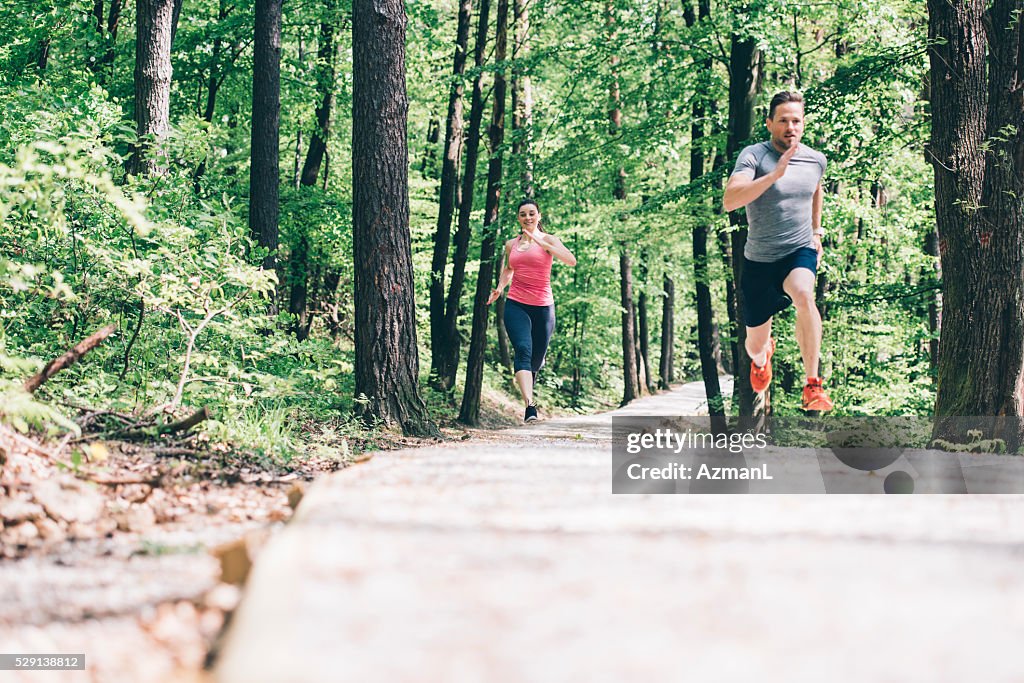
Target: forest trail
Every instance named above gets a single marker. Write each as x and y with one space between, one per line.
507 558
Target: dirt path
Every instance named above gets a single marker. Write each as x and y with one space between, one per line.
508 559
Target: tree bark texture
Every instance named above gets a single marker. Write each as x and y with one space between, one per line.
266 104
977 151
470 410
443 360
744 83
387 361
154 21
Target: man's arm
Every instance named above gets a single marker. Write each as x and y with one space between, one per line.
741 190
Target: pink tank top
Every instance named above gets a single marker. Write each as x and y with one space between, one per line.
531 279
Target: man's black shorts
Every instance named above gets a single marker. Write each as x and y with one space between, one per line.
763 295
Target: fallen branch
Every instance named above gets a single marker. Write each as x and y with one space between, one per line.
160 430
188 423
148 481
69 358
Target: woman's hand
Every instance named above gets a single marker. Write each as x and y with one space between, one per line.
495 293
538 236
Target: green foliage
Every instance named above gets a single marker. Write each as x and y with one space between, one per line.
168 258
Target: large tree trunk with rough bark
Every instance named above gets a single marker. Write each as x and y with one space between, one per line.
441 364
387 360
266 104
744 83
154 33
470 410
977 150
445 363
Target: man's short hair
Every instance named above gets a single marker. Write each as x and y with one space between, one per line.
782 98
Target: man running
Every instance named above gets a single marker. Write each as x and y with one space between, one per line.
780 184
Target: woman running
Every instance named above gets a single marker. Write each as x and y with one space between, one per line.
530 307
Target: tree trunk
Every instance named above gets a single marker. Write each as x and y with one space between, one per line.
666 368
216 78
386 358
430 149
298 280
931 247
522 101
705 317
213 86
723 239
264 173
470 410
640 369
642 326
744 83
977 149
630 367
325 87
110 39
504 346
299 276
154 20
579 326
297 157
630 389
442 365
450 349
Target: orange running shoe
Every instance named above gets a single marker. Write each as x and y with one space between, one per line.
760 378
815 397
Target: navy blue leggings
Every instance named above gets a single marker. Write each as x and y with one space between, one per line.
529 328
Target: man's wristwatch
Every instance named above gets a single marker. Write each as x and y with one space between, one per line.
819 233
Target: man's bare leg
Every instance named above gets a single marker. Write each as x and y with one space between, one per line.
799 285
757 343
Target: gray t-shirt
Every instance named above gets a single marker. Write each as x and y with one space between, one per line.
780 219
